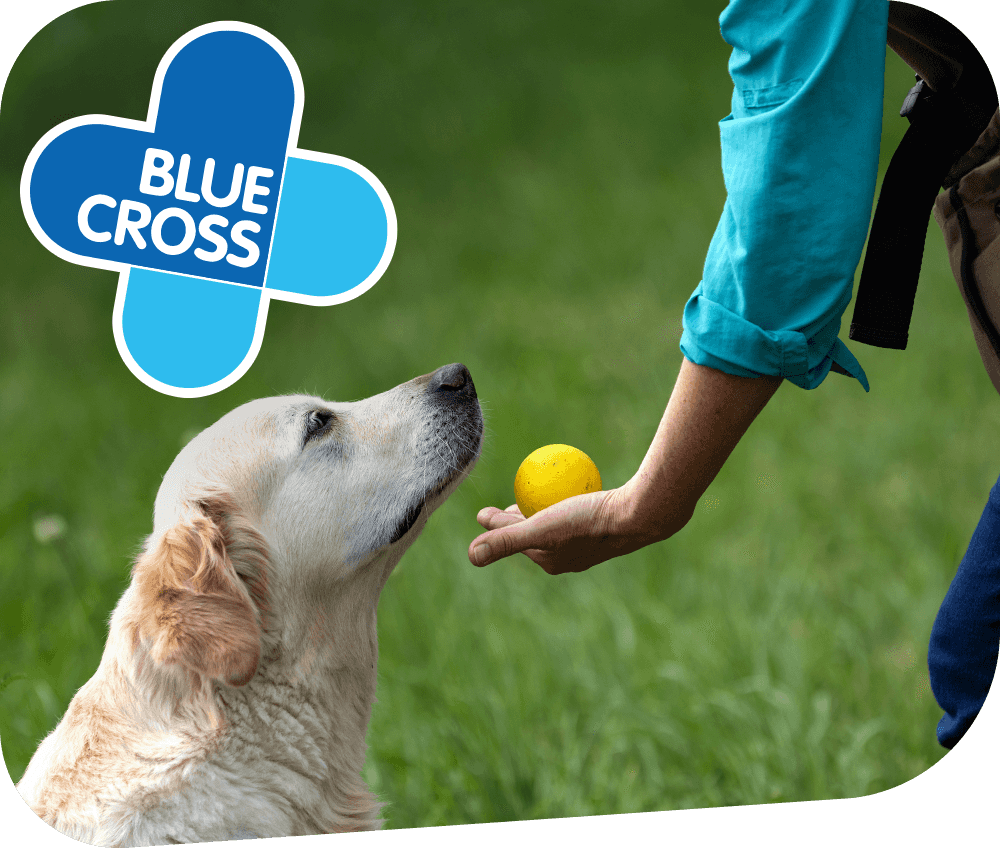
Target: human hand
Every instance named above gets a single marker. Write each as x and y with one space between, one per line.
570 536
708 413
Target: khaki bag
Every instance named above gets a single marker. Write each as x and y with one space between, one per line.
968 212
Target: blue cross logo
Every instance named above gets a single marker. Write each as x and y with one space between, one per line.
207 209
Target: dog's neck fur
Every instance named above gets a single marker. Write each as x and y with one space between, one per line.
296 730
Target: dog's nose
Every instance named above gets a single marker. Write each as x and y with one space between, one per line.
453 378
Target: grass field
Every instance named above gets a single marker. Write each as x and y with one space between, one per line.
555 173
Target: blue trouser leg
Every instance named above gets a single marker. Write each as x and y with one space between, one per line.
963 650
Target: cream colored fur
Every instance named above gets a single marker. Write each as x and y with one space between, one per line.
235 689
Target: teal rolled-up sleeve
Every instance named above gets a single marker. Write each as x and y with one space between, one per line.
800 158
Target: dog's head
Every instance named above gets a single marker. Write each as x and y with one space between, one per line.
286 503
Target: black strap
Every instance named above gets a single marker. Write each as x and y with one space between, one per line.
943 126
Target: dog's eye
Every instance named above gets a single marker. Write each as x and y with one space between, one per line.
316 422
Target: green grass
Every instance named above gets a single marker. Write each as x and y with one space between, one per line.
555 173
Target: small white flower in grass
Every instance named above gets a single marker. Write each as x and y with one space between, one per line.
49 528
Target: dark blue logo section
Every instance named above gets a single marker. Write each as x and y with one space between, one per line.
198 194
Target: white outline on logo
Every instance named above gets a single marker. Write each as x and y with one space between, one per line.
149 126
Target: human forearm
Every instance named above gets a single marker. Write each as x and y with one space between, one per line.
708 413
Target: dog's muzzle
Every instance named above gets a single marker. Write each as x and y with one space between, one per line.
453 438
457 418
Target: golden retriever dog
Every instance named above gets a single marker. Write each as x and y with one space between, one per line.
236 686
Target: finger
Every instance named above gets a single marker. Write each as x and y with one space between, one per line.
501 543
490 518
502 519
483 517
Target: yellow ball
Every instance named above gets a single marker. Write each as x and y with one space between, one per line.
551 474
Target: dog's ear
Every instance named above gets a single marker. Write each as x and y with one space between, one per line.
193 607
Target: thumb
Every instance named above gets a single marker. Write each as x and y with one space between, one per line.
500 543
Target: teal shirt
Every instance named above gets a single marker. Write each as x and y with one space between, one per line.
800 157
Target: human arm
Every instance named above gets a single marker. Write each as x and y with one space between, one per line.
800 156
707 415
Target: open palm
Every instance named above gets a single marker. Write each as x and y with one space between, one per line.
570 536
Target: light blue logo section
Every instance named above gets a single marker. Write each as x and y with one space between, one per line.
208 209
171 324
331 230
